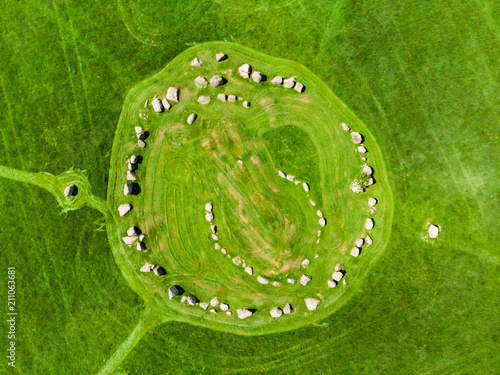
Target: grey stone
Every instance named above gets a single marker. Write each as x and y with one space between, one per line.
147 268
368 240
133 231
322 221
278 80
246 104
346 127
337 276
191 118
368 170
166 104
288 83
141 246
159 271
173 94
173 291
209 207
262 280
157 106
362 149
434 231
287 309
282 174
201 82
141 144
222 97
299 87
209 217
320 213
356 138
192 300
131 176
245 70
369 224
196 62
359 242
217 81
332 283
306 262
372 202
221 56
214 302
355 251
304 280
128 188
70 190
204 100
257 76
204 305
311 303
276 312
231 98
249 270
129 240
124 209
224 306
306 187
244 313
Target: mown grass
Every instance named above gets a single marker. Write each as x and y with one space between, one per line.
422 76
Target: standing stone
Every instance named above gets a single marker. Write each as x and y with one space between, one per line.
243 313
355 251
192 300
262 280
221 56
141 144
209 217
362 149
356 138
70 190
369 224
133 231
299 87
367 170
305 185
288 83
141 246
434 231
147 268
246 104
224 251
359 242
128 188
276 312
290 281
124 209
278 80
134 159
214 302
306 262
217 81
249 270
159 271
173 94
287 309
222 97
201 82
320 213
257 76
129 240
213 228
196 62
166 104
217 246
370 181
245 70
282 174
313 203
304 280
332 283
338 267
231 98
237 261
322 221
224 306
131 176
337 276
368 240
204 305
192 117
209 207
372 202
229 313
346 127
157 106
173 291
311 303
204 100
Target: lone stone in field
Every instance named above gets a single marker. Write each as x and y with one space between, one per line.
288 83
372 202
277 80
204 100
311 303
159 271
157 106
305 185
434 231
332 283
222 97
249 270
201 82
70 190
221 56
245 70
257 76
262 280
320 213
322 221
173 291
276 312
299 87
244 313
367 170
369 224
282 174
209 217
128 188
231 98
362 149
304 280
196 62
173 94
124 209
355 251
192 118
166 104
246 104
356 138
337 276
346 127
217 81
287 309
131 176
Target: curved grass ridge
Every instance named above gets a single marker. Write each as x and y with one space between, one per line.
153 290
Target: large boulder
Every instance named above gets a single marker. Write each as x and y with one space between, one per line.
276 312
311 303
173 94
369 224
337 276
355 251
304 280
204 100
287 309
262 280
201 82
196 62
192 300
217 81
299 87
244 313
157 105
128 188
131 176
245 70
191 118
289 83
356 138
221 56
434 231
278 80
257 76
70 190
124 209
173 291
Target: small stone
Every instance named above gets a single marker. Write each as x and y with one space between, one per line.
434 231
183 299
124 209
141 246
191 300
224 251
166 104
361 149
364 159
209 217
278 80
338 267
213 228
320 213
138 129
344 282
245 70
231 98
70 190
305 185
229 313
217 81
262 280
355 251
299 87
297 182
370 182
346 127
359 242
237 261
368 240
215 237
290 177
224 306
304 280
160 271
222 97
368 170
257 76
192 118
322 222
244 313
337 276
141 144
287 309
249 270
306 262
201 82
313 203
221 56
173 291
214 302
372 202
196 62
332 283
204 100
356 138
204 305
288 83
173 94
142 237
282 174
217 246
131 176
209 207
275 283
276 312
246 104
290 281
311 303
369 224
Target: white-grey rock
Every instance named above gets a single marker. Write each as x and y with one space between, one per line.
217 246
214 302
276 312
201 82
131 166
322 221
290 281
237 261
209 207
288 83
173 94
344 282
191 300
224 306
204 100
217 81
290 177
146 267
369 224
346 127
183 299
173 291
257 76
368 170
134 159
141 246
337 276
276 283
306 262
278 80
356 138
246 104
141 144
159 271
222 97
213 228
370 181
364 159
434 231
297 182
204 305
131 176
232 98
372 202
157 106
368 240
221 56
287 309
229 313
245 70
196 62
282 174
142 237
359 242
320 213
138 129
166 104
70 190
332 283
249 270
243 313
311 303
209 217
215 236
128 188
133 231
124 209
362 149
213 311
355 251
192 118
313 203
224 251
299 87
262 280
338 267
304 280
306 187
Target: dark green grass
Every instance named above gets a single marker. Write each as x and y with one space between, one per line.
422 76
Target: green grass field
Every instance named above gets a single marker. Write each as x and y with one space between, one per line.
422 78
